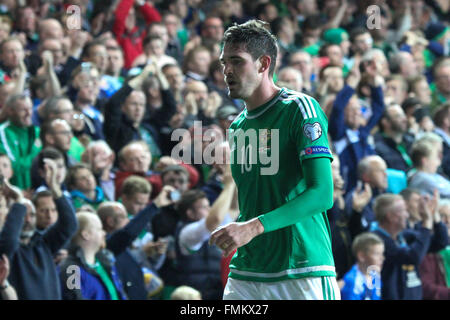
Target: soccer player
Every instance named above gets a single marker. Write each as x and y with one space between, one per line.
281 163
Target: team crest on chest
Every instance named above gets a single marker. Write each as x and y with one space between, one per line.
313 131
264 140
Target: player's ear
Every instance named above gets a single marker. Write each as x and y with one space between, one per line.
265 63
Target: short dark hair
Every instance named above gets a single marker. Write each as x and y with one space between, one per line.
174 168
70 179
356 32
86 52
41 194
441 113
48 153
187 200
256 39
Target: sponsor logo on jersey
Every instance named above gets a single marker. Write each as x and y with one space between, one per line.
315 150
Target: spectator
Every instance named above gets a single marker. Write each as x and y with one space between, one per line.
115 63
7 292
124 113
404 251
57 133
211 32
60 107
434 268
412 199
175 77
410 106
290 78
340 37
46 216
98 278
339 224
200 104
393 142
101 159
191 240
46 212
420 88
6 169
96 53
50 28
21 243
127 31
361 41
441 80
426 154
12 54
121 232
135 159
165 223
83 93
205 266
175 30
154 49
284 29
396 90
196 63
83 187
372 181
39 179
301 60
27 24
333 54
363 281
402 63
416 202
331 83
20 139
441 120
135 194
348 130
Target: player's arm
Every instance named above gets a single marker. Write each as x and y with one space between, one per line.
318 197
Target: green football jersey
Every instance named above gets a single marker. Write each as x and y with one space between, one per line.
268 145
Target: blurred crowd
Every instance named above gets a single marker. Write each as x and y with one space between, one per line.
107 109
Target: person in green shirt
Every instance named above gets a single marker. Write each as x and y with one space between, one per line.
281 163
19 139
60 107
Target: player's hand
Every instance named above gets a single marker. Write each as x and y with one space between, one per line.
235 235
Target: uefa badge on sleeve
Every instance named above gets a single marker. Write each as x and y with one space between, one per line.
313 131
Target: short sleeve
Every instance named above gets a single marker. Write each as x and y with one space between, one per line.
309 128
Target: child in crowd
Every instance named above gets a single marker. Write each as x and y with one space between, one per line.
363 281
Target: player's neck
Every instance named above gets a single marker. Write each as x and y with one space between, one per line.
264 93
